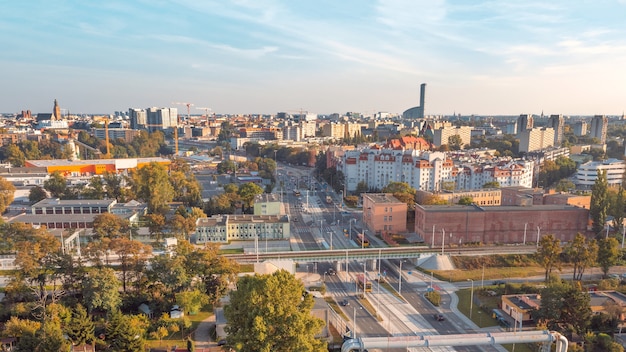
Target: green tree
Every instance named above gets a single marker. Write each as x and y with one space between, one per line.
564 185
361 187
564 308
95 188
403 192
126 332
191 301
599 203
582 254
226 166
7 190
248 191
101 290
56 184
466 200
269 313
37 194
133 256
608 254
549 253
492 184
15 156
617 210
151 184
81 328
455 142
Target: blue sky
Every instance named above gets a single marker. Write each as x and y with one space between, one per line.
323 56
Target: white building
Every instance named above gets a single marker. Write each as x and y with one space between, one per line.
429 171
588 172
225 228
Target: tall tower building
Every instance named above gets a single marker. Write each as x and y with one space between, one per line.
535 139
417 112
599 126
524 122
422 100
138 118
557 122
56 113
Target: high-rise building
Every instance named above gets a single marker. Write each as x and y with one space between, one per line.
417 112
161 118
580 128
441 135
524 122
536 139
138 118
557 122
599 126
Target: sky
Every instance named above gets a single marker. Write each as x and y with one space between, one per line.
498 57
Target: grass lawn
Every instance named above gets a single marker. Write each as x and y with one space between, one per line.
176 339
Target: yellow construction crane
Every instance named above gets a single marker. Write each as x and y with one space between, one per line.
106 137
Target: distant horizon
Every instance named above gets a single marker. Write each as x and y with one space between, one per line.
265 56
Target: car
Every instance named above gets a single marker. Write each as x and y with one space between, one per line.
498 283
332 271
221 342
345 302
439 317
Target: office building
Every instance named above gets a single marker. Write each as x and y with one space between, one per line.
557 123
417 112
535 139
587 173
599 127
524 122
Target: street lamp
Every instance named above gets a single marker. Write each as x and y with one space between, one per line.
354 322
400 278
471 298
538 235
331 239
443 239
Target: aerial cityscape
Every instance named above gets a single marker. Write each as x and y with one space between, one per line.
273 176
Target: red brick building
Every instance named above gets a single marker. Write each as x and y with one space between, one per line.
504 224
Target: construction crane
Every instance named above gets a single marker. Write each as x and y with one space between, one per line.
188 105
206 112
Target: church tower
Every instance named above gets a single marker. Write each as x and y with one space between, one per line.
56 115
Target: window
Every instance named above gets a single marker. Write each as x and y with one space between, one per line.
390 218
385 219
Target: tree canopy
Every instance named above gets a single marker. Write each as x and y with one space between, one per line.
7 191
269 313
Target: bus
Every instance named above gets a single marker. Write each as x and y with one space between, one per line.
363 283
296 193
362 241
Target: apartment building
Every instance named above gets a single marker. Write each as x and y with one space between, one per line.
535 139
382 212
441 136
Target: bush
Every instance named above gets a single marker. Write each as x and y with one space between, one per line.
434 297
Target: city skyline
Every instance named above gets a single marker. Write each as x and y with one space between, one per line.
240 57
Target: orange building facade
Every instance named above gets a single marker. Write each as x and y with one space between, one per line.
94 167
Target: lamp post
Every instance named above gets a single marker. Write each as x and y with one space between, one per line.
400 279
432 243
525 224
331 239
443 239
471 298
538 235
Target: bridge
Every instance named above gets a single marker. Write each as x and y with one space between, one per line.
376 253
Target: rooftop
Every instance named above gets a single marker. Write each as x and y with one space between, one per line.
381 198
51 202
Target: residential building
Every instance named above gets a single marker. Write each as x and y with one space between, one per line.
535 139
125 134
441 136
503 224
580 128
524 122
268 204
225 228
587 173
334 130
161 118
599 127
138 118
383 213
557 123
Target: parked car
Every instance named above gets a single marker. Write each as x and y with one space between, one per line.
344 303
498 283
221 342
439 317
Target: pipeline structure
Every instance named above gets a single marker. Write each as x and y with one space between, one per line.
489 338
